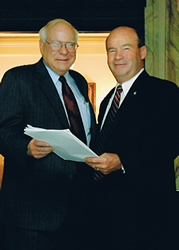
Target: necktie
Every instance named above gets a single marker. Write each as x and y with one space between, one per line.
73 111
108 122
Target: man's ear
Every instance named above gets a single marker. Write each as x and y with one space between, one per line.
41 46
143 52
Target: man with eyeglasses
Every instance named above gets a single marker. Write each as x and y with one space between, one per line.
42 194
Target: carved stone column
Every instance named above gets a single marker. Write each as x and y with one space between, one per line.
162 38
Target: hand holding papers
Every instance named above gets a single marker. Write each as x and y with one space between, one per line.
66 145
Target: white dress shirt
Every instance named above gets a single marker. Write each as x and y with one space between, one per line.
125 86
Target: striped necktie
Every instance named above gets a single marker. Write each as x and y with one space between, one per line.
104 133
74 115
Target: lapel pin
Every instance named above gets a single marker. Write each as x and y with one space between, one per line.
135 93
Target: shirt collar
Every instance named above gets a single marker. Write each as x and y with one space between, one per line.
127 85
55 76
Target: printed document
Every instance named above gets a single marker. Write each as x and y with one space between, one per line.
66 145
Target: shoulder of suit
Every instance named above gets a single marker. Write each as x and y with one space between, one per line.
157 82
22 68
76 75
20 74
162 83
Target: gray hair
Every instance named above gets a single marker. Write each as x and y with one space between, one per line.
43 30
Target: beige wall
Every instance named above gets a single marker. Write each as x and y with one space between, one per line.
22 48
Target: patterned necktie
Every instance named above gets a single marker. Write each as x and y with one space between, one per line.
108 121
74 115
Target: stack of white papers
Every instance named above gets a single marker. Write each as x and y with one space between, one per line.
66 145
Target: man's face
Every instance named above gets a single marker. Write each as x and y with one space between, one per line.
125 59
59 61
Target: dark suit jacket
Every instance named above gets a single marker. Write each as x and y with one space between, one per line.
145 136
35 193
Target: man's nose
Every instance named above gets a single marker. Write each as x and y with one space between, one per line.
118 54
63 49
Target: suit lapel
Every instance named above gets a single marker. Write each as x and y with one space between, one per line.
135 92
48 87
129 106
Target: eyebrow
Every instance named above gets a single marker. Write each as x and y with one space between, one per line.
124 45
54 40
127 44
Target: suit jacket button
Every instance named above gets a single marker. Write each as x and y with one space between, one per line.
70 176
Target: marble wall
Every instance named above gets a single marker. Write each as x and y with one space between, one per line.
162 41
174 41
162 38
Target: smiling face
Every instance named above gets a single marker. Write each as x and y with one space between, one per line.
61 60
124 57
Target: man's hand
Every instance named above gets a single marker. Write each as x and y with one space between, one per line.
38 149
105 163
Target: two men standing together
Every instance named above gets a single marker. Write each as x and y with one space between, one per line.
43 196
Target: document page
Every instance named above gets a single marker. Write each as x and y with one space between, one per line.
66 145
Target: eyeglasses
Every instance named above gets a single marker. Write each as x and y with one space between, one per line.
56 45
